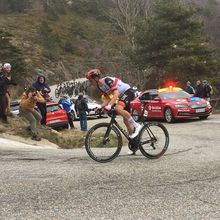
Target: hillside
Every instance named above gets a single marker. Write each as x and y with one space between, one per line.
64 47
66 38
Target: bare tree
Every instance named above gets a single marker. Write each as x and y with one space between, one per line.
126 14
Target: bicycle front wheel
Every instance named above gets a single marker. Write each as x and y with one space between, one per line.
154 140
103 143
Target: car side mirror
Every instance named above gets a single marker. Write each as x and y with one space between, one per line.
157 99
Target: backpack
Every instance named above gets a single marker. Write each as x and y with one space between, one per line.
79 105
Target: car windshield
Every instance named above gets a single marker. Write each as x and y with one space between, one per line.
174 95
53 108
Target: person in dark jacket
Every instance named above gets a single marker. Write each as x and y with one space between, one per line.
4 83
66 104
82 107
199 89
7 72
42 86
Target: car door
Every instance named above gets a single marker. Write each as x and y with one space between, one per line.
153 107
145 98
55 114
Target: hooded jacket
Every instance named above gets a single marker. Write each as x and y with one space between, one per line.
41 86
66 104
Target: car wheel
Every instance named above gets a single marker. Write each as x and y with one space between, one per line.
203 117
168 115
135 115
66 126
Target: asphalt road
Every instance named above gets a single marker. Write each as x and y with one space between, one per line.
48 183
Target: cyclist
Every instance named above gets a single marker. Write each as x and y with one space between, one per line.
122 95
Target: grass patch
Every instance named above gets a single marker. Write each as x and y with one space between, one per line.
97 141
67 139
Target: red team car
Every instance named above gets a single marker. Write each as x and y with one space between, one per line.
56 116
170 104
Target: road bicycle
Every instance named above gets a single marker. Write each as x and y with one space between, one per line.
103 141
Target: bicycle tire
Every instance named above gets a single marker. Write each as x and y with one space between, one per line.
149 137
95 146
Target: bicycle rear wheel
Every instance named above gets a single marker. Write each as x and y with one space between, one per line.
102 143
154 140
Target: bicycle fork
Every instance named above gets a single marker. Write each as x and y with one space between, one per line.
106 138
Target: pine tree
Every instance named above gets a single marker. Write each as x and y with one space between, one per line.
171 42
13 55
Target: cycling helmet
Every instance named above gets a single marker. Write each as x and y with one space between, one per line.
93 73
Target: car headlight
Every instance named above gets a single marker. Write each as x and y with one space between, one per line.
208 104
181 106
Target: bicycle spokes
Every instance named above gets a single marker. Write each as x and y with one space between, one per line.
103 143
154 140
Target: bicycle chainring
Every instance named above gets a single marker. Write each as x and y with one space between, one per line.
133 144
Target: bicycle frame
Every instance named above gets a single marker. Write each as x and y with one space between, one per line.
134 144
114 122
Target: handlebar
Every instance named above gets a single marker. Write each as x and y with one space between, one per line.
110 113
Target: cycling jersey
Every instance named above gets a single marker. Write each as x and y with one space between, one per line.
126 93
109 84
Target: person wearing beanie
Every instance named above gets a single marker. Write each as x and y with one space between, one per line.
7 72
4 83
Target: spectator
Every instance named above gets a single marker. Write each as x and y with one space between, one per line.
189 88
7 71
42 86
28 101
66 104
4 83
82 107
199 89
208 91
